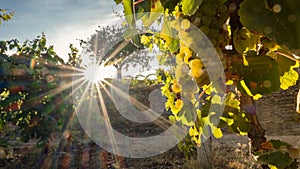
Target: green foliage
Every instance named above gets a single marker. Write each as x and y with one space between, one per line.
261 61
289 78
279 154
257 82
170 4
189 7
155 11
167 33
5 15
74 59
128 11
275 19
33 97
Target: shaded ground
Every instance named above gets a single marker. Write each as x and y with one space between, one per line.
81 153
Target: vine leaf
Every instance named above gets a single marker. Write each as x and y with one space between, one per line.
142 8
284 62
167 33
189 7
149 18
261 76
279 144
278 159
277 19
170 4
128 11
289 78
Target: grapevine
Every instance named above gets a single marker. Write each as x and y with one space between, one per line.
257 60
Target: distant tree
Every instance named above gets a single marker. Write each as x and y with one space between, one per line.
111 45
5 15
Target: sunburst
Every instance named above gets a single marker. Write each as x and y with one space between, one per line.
94 73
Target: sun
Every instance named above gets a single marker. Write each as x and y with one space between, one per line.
94 73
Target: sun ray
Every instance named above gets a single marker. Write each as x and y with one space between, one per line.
107 119
69 75
33 101
66 98
160 121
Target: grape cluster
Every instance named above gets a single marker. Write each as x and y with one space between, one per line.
211 19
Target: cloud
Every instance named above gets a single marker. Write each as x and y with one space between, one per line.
63 21
64 35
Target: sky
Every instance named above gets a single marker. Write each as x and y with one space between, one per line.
62 21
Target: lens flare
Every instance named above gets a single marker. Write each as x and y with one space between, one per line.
94 73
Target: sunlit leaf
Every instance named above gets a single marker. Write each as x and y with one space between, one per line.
128 11
289 78
217 132
261 76
189 7
149 18
167 33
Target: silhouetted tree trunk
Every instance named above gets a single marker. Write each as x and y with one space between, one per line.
119 71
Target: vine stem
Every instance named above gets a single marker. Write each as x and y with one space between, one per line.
287 56
256 133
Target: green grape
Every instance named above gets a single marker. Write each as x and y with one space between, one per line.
204 29
175 24
206 20
213 33
267 84
189 41
219 51
267 43
220 38
213 42
214 21
197 21
185 24
222 9
188 84
221 22
208 9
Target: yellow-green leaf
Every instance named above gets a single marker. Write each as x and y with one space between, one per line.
189 7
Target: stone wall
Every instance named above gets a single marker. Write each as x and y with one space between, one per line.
277 112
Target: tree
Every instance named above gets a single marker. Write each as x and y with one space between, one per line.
5 15
264 37
110 45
